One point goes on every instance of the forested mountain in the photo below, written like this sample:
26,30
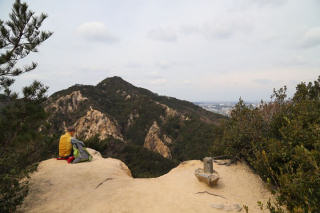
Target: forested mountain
122,120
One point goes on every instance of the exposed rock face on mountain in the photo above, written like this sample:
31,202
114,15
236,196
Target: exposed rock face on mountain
122,114
106,185
132,117
68,103
169,112
154,143
95,122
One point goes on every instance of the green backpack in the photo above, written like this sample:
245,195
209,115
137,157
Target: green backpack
76,154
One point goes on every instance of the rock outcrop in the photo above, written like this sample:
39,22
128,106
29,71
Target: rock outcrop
95,122
68,103
106,185
92,123
167,139
169,111
154,143
132,117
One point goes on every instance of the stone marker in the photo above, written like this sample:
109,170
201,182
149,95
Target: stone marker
207,174
207,165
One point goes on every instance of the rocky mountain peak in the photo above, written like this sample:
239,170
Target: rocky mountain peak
116,82
126,115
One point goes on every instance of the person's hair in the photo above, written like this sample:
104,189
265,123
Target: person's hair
71,129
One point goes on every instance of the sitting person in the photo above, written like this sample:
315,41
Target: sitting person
65,146
72,149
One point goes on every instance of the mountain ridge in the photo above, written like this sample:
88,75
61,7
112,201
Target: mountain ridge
118,114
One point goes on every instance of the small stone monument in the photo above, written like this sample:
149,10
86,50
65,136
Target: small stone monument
207,165
207,174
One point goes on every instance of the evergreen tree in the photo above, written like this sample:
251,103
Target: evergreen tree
280,140
18,38
22,139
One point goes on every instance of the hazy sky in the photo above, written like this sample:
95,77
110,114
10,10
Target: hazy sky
197,50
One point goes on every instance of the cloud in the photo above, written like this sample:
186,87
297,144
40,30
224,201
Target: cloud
190,29
311,38
245,4
186,82
223,28
133,65
292,61
164,64
159,81
155,77
263,81
218,30
163,34
273,3
93,69
96,31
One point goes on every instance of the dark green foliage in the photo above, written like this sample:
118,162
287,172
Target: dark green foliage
144,163
172,127
141,162
194,140
22,127
99,145
281,141
23,143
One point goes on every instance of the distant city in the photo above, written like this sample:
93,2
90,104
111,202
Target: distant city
223,108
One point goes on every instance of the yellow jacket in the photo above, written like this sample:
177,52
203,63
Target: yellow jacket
65,146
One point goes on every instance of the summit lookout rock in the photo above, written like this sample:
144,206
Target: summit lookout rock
106,185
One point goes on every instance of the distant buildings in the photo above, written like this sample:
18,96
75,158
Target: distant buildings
223,108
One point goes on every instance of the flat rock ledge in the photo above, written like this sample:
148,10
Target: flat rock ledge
106,185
